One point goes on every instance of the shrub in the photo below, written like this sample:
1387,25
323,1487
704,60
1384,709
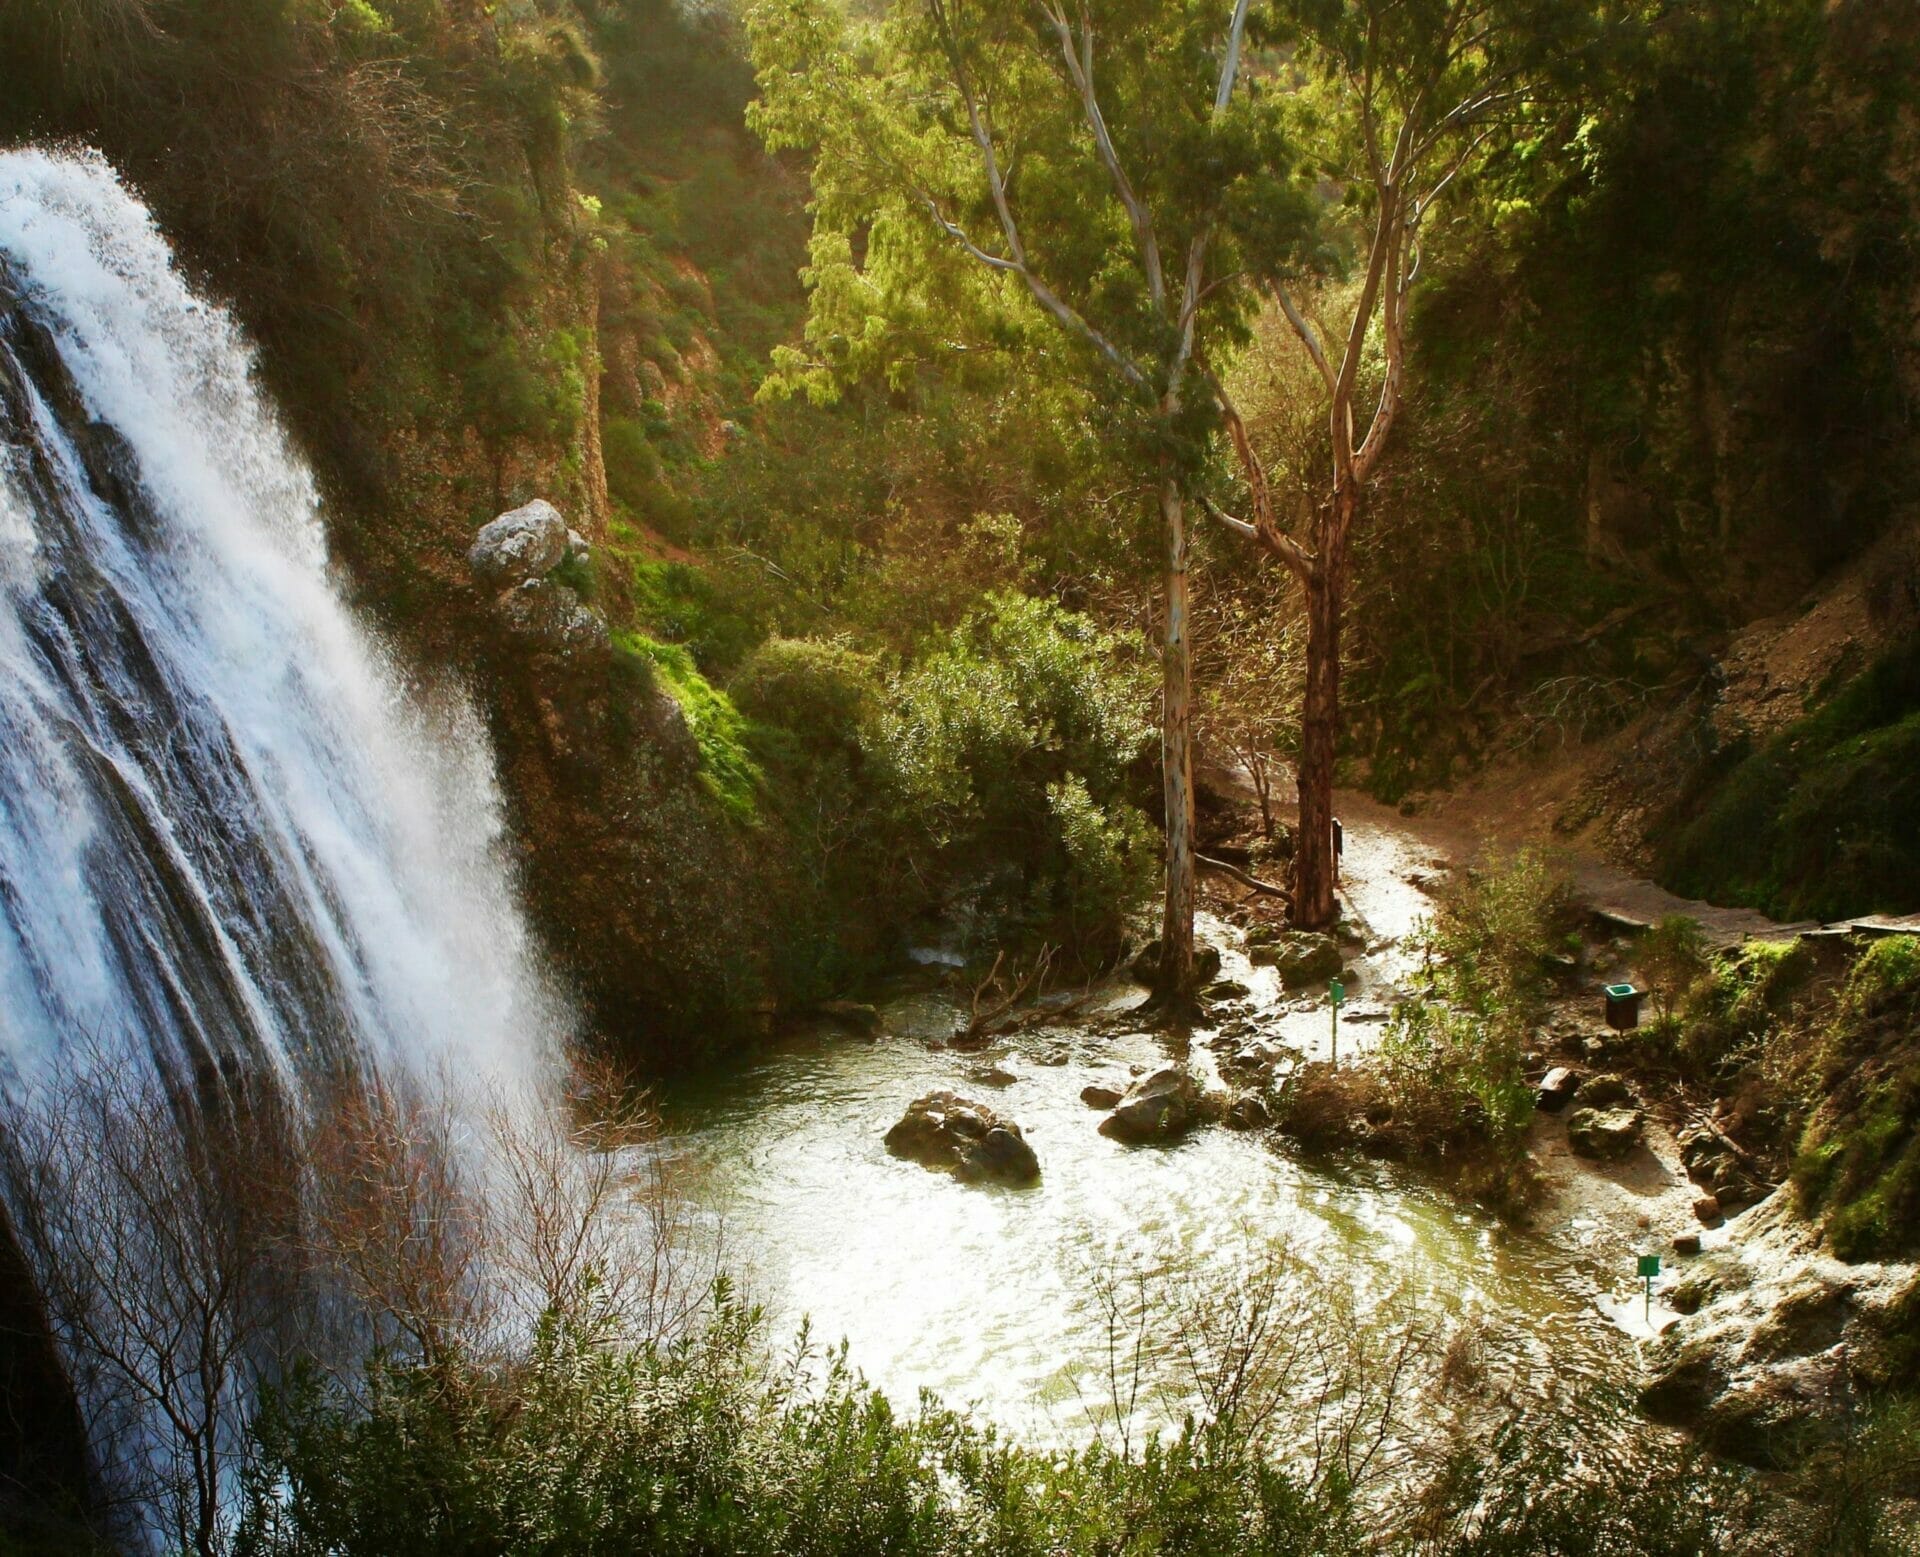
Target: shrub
1014,739
1672,957
1491,939
1110,860
824,693
1741,997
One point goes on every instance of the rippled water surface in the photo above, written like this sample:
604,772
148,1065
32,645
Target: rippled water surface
990,1296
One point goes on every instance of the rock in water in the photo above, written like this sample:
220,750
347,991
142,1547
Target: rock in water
1003,1155
1101,1094
525,543
1604,1132
854,1015
1157,1107
1300,957
946,1131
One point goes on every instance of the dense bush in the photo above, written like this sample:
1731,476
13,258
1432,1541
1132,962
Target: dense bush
1447,1083
1457,1050
1008,754
705,1447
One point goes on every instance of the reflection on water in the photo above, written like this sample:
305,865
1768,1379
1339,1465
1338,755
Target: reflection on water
991,1296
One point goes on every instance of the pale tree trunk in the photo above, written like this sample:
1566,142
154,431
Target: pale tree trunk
1175,977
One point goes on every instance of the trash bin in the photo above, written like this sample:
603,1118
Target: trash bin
1623,1007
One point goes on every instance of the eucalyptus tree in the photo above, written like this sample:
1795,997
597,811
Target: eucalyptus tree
1078,183
1402,100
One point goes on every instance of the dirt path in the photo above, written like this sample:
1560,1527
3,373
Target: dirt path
1613,1211
1616,894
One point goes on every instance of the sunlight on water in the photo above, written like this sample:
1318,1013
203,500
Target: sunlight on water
990,1296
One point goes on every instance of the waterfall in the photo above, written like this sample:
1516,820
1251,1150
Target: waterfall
231,834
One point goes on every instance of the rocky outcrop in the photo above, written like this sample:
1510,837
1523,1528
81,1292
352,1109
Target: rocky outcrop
1161,1106
946,1131
516,557
1604,1132
659,909
523,544
1779,1341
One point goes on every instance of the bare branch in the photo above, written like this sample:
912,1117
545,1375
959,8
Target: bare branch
1277,541
1234,872
1309,337
1240,527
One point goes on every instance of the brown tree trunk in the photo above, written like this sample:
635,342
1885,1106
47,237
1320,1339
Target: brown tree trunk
1314,904
1175,980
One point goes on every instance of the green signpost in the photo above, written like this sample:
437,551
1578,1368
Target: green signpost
1336,993
1649,1268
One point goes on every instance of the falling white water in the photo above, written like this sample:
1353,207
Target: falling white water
231,835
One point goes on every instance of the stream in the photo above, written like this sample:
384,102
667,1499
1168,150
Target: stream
997,1299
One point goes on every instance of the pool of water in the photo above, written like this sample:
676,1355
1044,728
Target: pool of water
1003,1299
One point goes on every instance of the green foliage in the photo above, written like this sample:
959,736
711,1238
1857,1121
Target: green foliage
1672,957
1743,996
582,1443
904,207
1490,940
1659,363
825,695
814,707
1012,742
1110,860
706,611
1455,1074
1452,1059
704,1446
727,767
1821,821
1859,1158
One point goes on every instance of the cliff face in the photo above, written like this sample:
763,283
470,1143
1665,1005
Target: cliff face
477,251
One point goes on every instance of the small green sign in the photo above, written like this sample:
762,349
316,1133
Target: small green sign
1649,1265
1338,992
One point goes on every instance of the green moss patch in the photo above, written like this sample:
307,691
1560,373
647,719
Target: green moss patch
727,768
1859,1158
